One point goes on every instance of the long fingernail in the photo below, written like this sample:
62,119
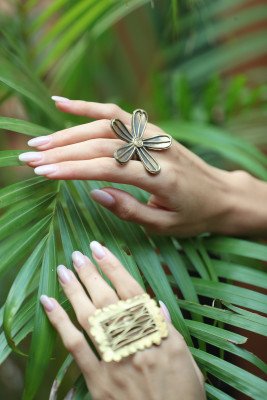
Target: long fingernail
60,99
102,197
39,141
47,302
165,311
78,258
45,169
30,156
97,249
63,274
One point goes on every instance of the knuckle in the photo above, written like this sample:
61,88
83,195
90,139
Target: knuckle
82,319
105,299
144,360
113,109
59,320
178,347
126,212
105,123
172,177
75,343
119,379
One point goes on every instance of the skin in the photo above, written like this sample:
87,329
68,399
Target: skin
188,196
167,371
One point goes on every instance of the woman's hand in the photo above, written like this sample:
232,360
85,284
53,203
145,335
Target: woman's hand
161,372
187,197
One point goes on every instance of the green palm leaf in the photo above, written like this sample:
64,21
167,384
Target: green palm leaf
43,221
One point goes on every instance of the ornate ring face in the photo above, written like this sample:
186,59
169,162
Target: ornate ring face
124,328
136,145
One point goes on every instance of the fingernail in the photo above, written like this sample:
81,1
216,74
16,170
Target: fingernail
102,197
30,156
97,249
165,311
78,258
60,99
45,169
47,302
39,141
63,274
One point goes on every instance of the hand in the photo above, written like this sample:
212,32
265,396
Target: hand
187,197
161,372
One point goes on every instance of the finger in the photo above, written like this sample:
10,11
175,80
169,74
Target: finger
125,285
128,208
88,150
72,338
93,110
99,290
79,300
106,169
76,134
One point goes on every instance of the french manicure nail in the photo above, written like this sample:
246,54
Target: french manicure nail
45,169
97,249
63,274
30,156
165,311
39,141
102,197
47,302
78,258
60,99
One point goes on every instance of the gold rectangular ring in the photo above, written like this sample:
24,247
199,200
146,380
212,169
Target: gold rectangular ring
127,326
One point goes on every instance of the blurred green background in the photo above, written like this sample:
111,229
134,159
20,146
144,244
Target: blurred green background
198,67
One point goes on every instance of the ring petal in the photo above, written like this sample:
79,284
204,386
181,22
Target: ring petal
160,142
124,153
139,122
121,131
150,164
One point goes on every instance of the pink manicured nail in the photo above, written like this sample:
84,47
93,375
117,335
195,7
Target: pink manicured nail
30,156
60,99
165,311
63,274
102,197
39,141
78,258
47,302
97,249
45,169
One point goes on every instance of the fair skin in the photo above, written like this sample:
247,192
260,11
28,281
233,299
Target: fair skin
187,197
167,371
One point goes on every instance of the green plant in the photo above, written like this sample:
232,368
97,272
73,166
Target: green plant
42,221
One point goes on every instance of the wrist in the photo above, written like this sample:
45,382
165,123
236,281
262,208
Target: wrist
243,205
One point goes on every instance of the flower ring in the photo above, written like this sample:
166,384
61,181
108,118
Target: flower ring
136,145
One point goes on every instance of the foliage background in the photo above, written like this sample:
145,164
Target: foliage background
199,69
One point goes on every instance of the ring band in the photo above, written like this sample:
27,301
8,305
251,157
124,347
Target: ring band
127,326
137,146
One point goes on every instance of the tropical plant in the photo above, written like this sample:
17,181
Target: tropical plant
45,51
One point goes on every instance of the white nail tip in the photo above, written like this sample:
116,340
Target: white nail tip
38,141
60,99
31,156
45,169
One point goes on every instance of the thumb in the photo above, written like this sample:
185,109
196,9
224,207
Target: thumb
128,208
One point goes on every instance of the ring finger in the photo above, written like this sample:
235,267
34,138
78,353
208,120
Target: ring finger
74,291
89,149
